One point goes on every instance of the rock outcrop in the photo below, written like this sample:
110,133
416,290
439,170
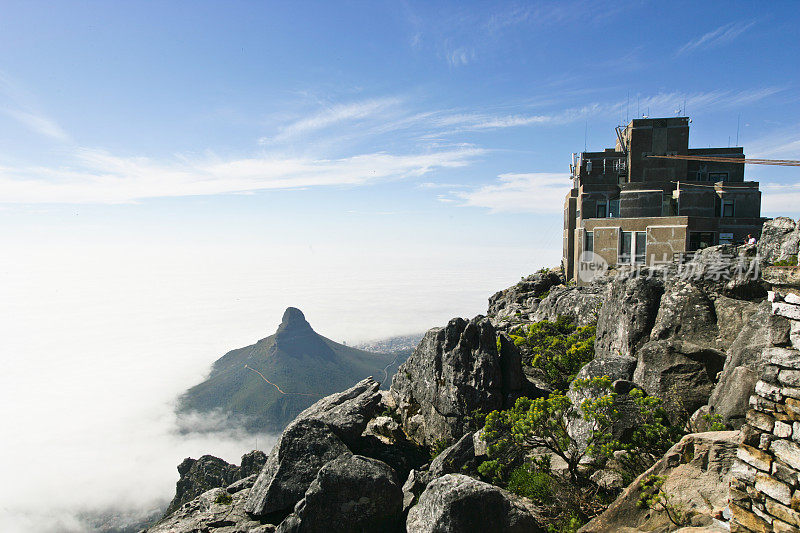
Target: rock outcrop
460,504
629,311
214,511
523,298
318,435
454,371
779,240
209,472
350,494
681,373
697,471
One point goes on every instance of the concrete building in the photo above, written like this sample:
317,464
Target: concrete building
633,209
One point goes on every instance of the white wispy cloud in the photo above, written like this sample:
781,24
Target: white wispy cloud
460,56
534,192
780,199
660,104
38,123
717,37
97,176
20,105
335,115
783,143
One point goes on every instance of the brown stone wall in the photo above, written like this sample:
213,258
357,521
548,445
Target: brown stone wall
765,487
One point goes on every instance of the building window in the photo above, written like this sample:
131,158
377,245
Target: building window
699,240
601,210
641,247
613,210
727,208
588,242
717,176
632,247
625,247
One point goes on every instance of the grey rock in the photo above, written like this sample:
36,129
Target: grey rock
242,484
385,429
779,239
348,412
459,504
745,362
608,480
454,371
454,458
413,487
681,373
251,463
726,269
303,448
685,312
214,510
199,476
523,297
618,368
629,311
732,316
350,494
580,303
697,471
318,435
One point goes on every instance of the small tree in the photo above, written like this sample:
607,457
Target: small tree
654,497
558,348
542,423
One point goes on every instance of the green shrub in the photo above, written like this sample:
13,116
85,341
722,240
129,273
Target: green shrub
439,445
223,498
528,482
792,261
559,348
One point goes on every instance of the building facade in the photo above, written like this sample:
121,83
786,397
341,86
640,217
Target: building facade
629,208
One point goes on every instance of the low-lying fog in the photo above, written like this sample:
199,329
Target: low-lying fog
97,341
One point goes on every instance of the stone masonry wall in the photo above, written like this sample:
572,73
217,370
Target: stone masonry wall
765,481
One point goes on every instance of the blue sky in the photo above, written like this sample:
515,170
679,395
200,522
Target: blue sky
174,174
411,123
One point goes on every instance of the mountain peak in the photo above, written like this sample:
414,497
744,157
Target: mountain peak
293,319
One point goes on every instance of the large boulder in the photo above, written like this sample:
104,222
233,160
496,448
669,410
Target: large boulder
460,504
350,494
200,475
454,371
732,317
348,412
318,435
303,448
581,303
779,240
629,311
523,297
617,368
215,510
681,373
685,312
745,362
697,471
725,269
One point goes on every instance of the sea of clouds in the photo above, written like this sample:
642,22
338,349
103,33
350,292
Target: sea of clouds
98,341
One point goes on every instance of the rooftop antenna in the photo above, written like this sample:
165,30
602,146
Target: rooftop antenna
628,108
738,119
586,136
637,105
684,108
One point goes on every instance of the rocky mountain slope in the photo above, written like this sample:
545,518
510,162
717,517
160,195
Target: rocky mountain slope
267,384
699,336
